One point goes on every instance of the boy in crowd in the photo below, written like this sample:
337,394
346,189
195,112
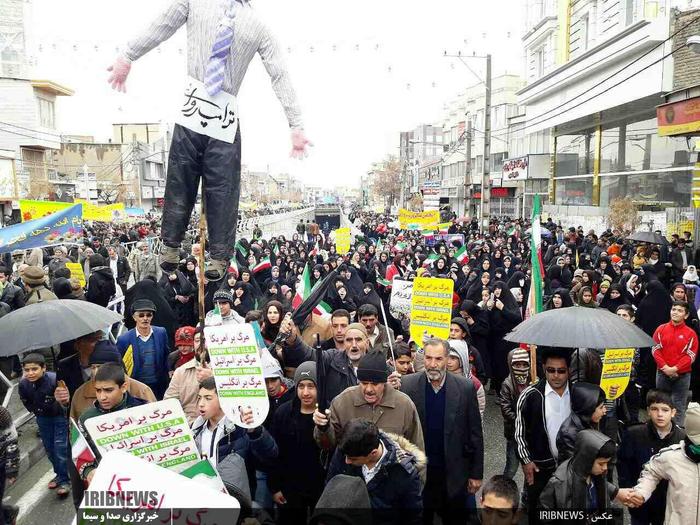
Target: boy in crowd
581,481
641,442
36,390
404,359
112,395
217,436
499,501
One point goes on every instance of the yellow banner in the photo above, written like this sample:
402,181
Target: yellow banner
418,220
342,240
431,307
617,366
36,209
77,271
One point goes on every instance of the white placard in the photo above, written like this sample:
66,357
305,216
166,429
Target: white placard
120,472
156,432
401,298
215,117
238,372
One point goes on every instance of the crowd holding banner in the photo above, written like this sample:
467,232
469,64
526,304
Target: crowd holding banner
334,378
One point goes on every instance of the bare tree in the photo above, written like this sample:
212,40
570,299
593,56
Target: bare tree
623,215
387,180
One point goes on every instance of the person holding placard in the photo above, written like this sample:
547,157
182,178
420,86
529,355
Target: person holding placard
112,395
217,436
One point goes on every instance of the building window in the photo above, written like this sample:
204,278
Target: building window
539,62
47,116
575,192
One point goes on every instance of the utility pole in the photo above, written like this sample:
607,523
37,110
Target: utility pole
485,182
468,166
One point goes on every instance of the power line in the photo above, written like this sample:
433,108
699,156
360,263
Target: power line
31,129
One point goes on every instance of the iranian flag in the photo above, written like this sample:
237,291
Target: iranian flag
205,473
462,256
534,300
276,250
264,264
400,246
444,227
430,259
304,289
233,266
383,282
314,250
80,450
241,249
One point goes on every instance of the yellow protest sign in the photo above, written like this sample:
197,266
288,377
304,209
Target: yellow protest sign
617,366
418,220
342,240
36,209
77,271
431,307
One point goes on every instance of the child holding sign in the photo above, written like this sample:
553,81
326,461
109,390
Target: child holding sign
217,436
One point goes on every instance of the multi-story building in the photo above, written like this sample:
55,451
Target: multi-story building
463,129
596,70
420,155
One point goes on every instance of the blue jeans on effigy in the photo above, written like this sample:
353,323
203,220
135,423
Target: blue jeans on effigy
679,388
54,435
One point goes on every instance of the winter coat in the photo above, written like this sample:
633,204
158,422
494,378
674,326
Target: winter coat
13,296
395,413
396,490
672,464
100,286
37,397
298,469
584,400
162,350
464,440
654,309
185,388
39,294
184,312
381,343
257,445
568,488
508,400
85,396
639,444
339,373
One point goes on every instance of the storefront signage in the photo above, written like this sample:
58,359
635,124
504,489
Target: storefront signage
679,118
515,169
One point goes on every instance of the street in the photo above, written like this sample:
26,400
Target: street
40,505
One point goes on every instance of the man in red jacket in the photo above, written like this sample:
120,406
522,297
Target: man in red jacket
674,352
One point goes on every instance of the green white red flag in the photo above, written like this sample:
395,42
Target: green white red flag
81,452
303,291
430,259
233,266
264,264
462,255
534,300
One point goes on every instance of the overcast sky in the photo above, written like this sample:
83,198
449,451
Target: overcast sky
386,74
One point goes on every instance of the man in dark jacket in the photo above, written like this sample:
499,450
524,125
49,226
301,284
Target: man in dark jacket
451,423
511,388
119,266
639,443
296,478
10,294
391,467
340,365
541,410
100,286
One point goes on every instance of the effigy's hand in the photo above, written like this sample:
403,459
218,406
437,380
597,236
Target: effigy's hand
120,70
299,143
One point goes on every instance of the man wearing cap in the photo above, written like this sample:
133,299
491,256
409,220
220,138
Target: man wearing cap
680,466
340,365
449,416
224,300
391,410
34,280
148,347
296,478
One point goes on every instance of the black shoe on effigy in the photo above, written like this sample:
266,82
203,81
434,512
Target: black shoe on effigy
216,270
169,258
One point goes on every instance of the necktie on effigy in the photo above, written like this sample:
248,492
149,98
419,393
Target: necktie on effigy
214,74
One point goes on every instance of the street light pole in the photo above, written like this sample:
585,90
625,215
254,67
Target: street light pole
485,176
468,165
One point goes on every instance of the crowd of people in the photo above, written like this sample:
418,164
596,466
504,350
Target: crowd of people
396,428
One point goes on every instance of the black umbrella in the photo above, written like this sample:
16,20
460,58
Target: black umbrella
649,237
576,327
48,323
